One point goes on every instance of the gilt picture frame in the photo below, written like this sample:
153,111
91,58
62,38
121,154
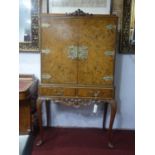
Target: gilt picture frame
127,35
66,6
32,45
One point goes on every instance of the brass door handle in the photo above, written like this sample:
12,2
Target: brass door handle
78,52
83,52
73,52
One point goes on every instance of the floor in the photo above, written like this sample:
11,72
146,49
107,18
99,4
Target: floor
23,139
77,141
26,144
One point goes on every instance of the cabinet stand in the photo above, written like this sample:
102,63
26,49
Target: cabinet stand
113,109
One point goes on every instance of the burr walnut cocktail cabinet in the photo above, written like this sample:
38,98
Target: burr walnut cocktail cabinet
77,61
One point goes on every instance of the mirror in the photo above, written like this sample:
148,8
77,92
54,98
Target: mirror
127,39
24,20
29,25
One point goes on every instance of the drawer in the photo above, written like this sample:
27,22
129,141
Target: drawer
56,91
106,93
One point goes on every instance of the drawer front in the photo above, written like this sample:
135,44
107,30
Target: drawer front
98,93
52,91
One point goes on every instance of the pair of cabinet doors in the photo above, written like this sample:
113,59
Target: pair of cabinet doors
78,50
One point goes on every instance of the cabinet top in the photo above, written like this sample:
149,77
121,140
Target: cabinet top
79,16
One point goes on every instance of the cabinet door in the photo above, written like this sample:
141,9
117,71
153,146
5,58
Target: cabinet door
59,49
96,50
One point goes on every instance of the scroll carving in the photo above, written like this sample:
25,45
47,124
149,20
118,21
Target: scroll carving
78,12
75,102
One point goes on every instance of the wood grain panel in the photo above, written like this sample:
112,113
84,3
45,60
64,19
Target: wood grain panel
24,117
56,91
96,33
105,93
57,38
99,35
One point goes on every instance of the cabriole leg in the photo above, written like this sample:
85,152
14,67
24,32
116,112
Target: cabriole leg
48,112
105,114
39,111
113,107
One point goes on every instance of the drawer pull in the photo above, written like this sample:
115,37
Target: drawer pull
59,92
96,94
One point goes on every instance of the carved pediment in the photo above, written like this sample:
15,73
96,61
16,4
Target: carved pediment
78,12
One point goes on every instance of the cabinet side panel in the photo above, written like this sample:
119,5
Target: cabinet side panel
24,117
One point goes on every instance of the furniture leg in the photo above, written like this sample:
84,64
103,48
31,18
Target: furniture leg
48,112
113,107
105,114
39,110
31,118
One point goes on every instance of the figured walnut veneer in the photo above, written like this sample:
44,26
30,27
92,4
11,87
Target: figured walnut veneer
80,92
90,32
77,62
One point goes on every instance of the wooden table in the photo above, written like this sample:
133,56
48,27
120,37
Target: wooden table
27,101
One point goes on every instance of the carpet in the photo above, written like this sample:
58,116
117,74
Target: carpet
75,141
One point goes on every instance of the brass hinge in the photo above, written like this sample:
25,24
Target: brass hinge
110,26
109,53
46,51
108,78
46,76
45,25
